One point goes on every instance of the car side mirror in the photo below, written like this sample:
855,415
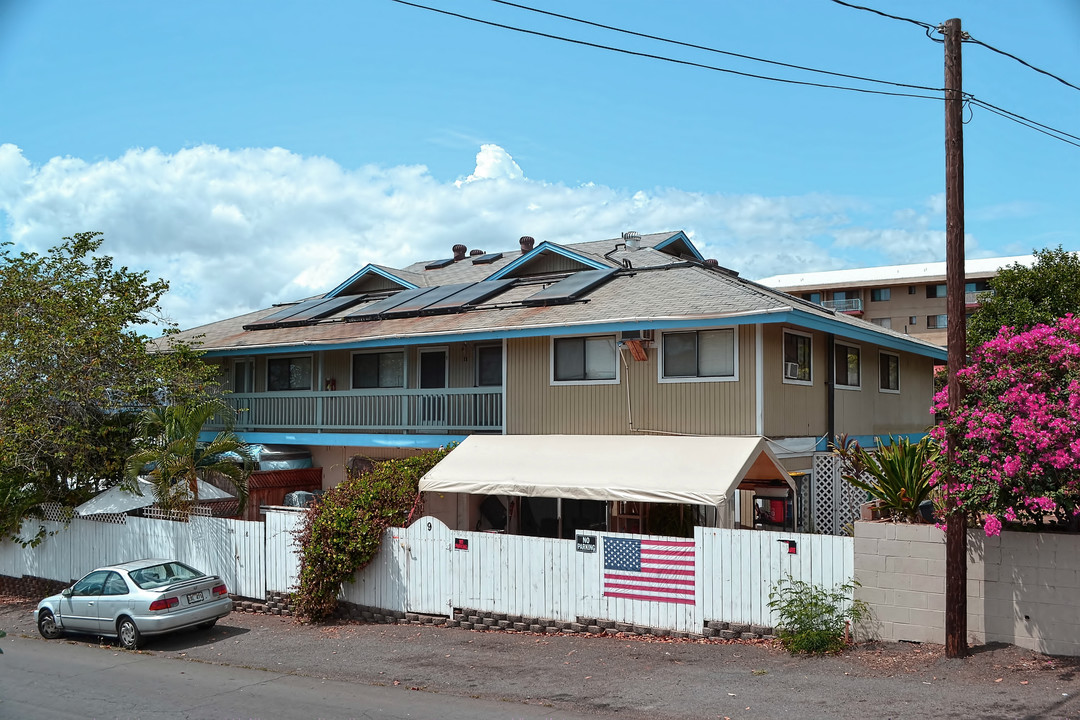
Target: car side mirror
66,592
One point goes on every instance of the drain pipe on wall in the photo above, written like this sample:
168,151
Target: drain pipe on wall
626,379
830,382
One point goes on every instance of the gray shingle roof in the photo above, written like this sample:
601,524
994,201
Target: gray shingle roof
658,288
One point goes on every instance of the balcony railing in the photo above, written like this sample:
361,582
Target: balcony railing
977,298
446,409
850,305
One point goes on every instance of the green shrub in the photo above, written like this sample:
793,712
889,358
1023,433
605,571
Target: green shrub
897,474
342,532
812,619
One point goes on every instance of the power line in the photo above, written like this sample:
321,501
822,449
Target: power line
711,49
967,38
1026,122
664,58
1022,62
923,25
1009,115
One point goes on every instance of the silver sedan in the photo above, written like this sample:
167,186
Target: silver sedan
128,601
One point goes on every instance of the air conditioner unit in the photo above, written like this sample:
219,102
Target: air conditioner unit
791,370
636,335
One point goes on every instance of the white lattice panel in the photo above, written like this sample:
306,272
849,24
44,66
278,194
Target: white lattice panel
834,501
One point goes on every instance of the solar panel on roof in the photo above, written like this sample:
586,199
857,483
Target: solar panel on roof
274,320
436,264
485,259
414,306
373,311
570,288
324,309
470,295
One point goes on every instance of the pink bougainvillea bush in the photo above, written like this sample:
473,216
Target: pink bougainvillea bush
1017,454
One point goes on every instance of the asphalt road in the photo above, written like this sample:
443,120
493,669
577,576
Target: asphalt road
255,666
65,680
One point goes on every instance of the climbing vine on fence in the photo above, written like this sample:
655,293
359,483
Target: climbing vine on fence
342,532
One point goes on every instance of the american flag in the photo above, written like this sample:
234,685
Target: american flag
657,570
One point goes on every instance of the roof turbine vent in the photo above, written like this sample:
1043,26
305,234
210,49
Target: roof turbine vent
474,253
526,243
711,263
632,240
459,252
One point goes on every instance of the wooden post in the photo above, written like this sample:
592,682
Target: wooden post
956,530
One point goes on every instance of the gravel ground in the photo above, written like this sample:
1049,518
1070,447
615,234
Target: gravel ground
634,677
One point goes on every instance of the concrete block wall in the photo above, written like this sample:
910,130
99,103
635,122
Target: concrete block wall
1023,588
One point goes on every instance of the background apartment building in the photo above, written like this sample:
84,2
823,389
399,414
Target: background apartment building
904,298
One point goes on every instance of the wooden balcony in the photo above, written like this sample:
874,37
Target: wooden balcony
396,410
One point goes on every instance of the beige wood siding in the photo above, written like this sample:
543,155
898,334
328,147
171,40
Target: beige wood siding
535,406
793,410
550,262
868,411
796,410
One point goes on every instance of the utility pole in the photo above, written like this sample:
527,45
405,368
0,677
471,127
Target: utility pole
956,522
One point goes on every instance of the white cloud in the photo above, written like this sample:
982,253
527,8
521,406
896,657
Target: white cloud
236,230
492,162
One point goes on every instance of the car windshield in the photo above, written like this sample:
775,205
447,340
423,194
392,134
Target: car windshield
163,574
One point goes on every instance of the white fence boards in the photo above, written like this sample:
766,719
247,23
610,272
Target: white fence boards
428,568
233,549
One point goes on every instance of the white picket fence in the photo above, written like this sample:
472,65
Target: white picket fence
428,568
418,569
233,549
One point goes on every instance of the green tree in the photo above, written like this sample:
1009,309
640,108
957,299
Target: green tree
75,370
169,446
1023,297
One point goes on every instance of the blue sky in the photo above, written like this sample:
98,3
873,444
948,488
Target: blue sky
257,152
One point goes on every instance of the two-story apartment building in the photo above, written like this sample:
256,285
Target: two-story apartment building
906,298
633,339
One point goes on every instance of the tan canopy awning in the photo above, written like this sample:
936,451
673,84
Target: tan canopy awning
636,468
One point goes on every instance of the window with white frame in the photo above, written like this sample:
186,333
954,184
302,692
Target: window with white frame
798,352
584,359
288,373
937,321
705,354
848,361
378,370
889,372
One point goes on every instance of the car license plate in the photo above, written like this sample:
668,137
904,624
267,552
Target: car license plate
195,598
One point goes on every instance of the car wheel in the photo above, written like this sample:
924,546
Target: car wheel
208,624
46,625
127,633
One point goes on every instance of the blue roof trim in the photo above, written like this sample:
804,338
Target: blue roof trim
676,238
420,442
542,247
364,271
853,332
792,317
871,441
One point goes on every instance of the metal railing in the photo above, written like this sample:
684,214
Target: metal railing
462,409
849,305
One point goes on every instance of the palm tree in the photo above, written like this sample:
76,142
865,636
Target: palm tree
168,441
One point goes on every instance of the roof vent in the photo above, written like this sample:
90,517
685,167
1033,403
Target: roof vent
632,240
712,263
526,243
459,252
474,253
